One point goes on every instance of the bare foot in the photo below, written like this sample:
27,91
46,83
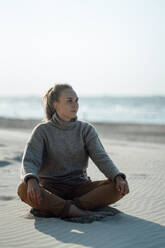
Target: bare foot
77,212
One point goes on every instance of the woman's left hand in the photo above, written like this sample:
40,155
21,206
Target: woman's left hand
122,185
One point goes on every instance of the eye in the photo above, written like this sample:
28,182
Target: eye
72,101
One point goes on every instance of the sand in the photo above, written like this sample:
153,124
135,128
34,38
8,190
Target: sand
137,150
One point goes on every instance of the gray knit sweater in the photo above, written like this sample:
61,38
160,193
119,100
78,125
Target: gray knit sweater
58,151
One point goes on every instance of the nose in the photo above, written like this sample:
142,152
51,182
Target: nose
75,105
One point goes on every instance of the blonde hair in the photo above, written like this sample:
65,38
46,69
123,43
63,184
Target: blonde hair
51,96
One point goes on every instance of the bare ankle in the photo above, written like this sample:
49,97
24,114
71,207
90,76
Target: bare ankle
77,212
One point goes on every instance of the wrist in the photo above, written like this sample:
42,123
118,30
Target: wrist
120,176
32,180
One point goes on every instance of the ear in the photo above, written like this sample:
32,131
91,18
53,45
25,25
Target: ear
55,105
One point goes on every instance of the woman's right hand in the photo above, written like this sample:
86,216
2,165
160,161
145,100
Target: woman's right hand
34,192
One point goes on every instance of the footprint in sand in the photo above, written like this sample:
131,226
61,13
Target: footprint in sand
139,176
4,163
6,198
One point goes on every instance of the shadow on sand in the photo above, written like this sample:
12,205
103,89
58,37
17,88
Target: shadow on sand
121,230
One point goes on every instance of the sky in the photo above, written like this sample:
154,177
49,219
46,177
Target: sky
100,47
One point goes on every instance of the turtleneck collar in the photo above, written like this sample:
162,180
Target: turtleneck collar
56,121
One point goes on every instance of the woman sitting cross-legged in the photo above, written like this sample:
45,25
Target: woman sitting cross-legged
55,159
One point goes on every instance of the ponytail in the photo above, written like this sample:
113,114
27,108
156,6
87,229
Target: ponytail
51,96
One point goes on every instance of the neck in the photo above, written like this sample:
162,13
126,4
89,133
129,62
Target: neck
63,118
63,124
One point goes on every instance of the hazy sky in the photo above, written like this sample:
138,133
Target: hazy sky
113,47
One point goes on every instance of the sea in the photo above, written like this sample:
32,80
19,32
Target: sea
116,109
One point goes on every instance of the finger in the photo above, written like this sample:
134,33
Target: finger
126,189
30,198
33,197
122,189
37,201
38,196
117,185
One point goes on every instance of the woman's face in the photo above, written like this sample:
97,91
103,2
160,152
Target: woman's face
67,105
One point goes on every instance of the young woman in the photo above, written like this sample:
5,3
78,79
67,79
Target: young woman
53,170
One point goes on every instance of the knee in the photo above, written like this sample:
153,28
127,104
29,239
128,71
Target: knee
118,195
112,188
22,191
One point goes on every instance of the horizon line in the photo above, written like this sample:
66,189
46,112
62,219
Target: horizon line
88,95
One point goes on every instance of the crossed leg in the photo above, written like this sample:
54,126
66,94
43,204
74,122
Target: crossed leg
86,197
96,194
50,202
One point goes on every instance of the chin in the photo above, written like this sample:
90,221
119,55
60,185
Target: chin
74,115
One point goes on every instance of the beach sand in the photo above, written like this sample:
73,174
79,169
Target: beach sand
137,150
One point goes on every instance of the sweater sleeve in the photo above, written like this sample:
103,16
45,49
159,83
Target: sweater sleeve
99,156
33,155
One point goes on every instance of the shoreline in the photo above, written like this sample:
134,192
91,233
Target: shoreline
152,133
